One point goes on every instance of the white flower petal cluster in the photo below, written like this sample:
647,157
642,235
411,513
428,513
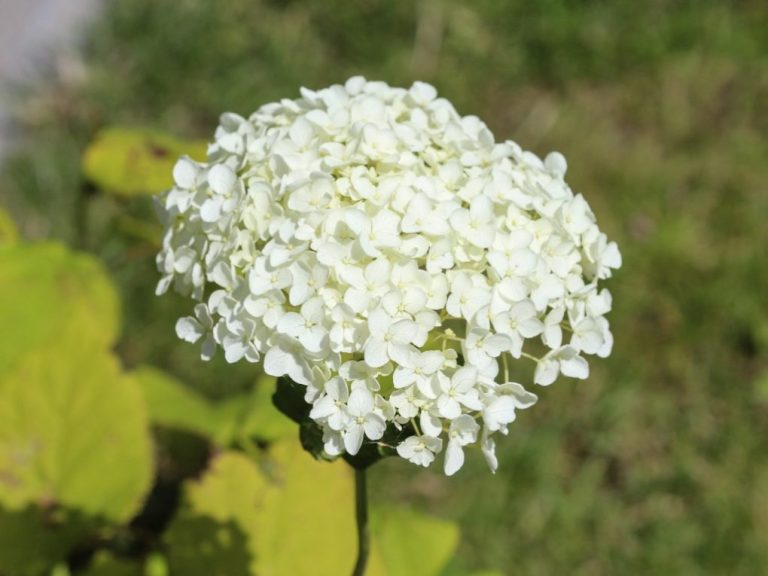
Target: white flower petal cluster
373,245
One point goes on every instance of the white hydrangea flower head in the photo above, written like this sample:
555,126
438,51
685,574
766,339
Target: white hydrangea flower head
373,245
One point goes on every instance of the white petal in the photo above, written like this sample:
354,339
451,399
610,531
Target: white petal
496,344
404,331
314,339
374,426
546,371
222,179
555,163
337,389
464,378
208,348
189,329
292,324
433,444
378,322
576,367
338,420
431,361
454,458
185,173
301,132
323,408
499,413
407,447
488,447
279,362
333,443
400,353
430,424
234,351
376,353
403,377
210,211
360,402
353,438
523,398
464,429
223,275
448,407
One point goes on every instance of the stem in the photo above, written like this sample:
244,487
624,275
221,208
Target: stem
361,514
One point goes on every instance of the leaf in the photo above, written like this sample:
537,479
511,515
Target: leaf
298,519
8,233
290,514
313,502
211,534
104,564
412,543
73,437
49,294
68,415
289,399
261,419
174,405
75,450
133,161
33,538
251,415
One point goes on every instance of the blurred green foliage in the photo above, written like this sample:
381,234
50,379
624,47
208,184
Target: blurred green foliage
659,462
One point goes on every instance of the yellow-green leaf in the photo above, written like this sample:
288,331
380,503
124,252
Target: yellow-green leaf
104,564
29,549
131,161
49,294
412,543
73,439
174,405
260,417
8,234
249,415
306,522
290,514
213,532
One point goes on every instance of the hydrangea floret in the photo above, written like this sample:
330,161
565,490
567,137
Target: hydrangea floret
386,253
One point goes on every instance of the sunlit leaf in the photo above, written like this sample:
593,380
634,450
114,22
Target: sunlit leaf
49,294
247,415
214,531
104,564
75,451
412,543
73,440
261,419
314,503
132,161
174,405
290,514
8,234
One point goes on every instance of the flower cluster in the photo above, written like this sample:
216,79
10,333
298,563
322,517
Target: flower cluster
373,245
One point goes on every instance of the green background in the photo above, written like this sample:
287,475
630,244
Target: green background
658,464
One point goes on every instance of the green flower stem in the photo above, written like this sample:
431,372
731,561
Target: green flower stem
361,513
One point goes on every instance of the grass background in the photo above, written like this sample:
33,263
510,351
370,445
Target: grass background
658,464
